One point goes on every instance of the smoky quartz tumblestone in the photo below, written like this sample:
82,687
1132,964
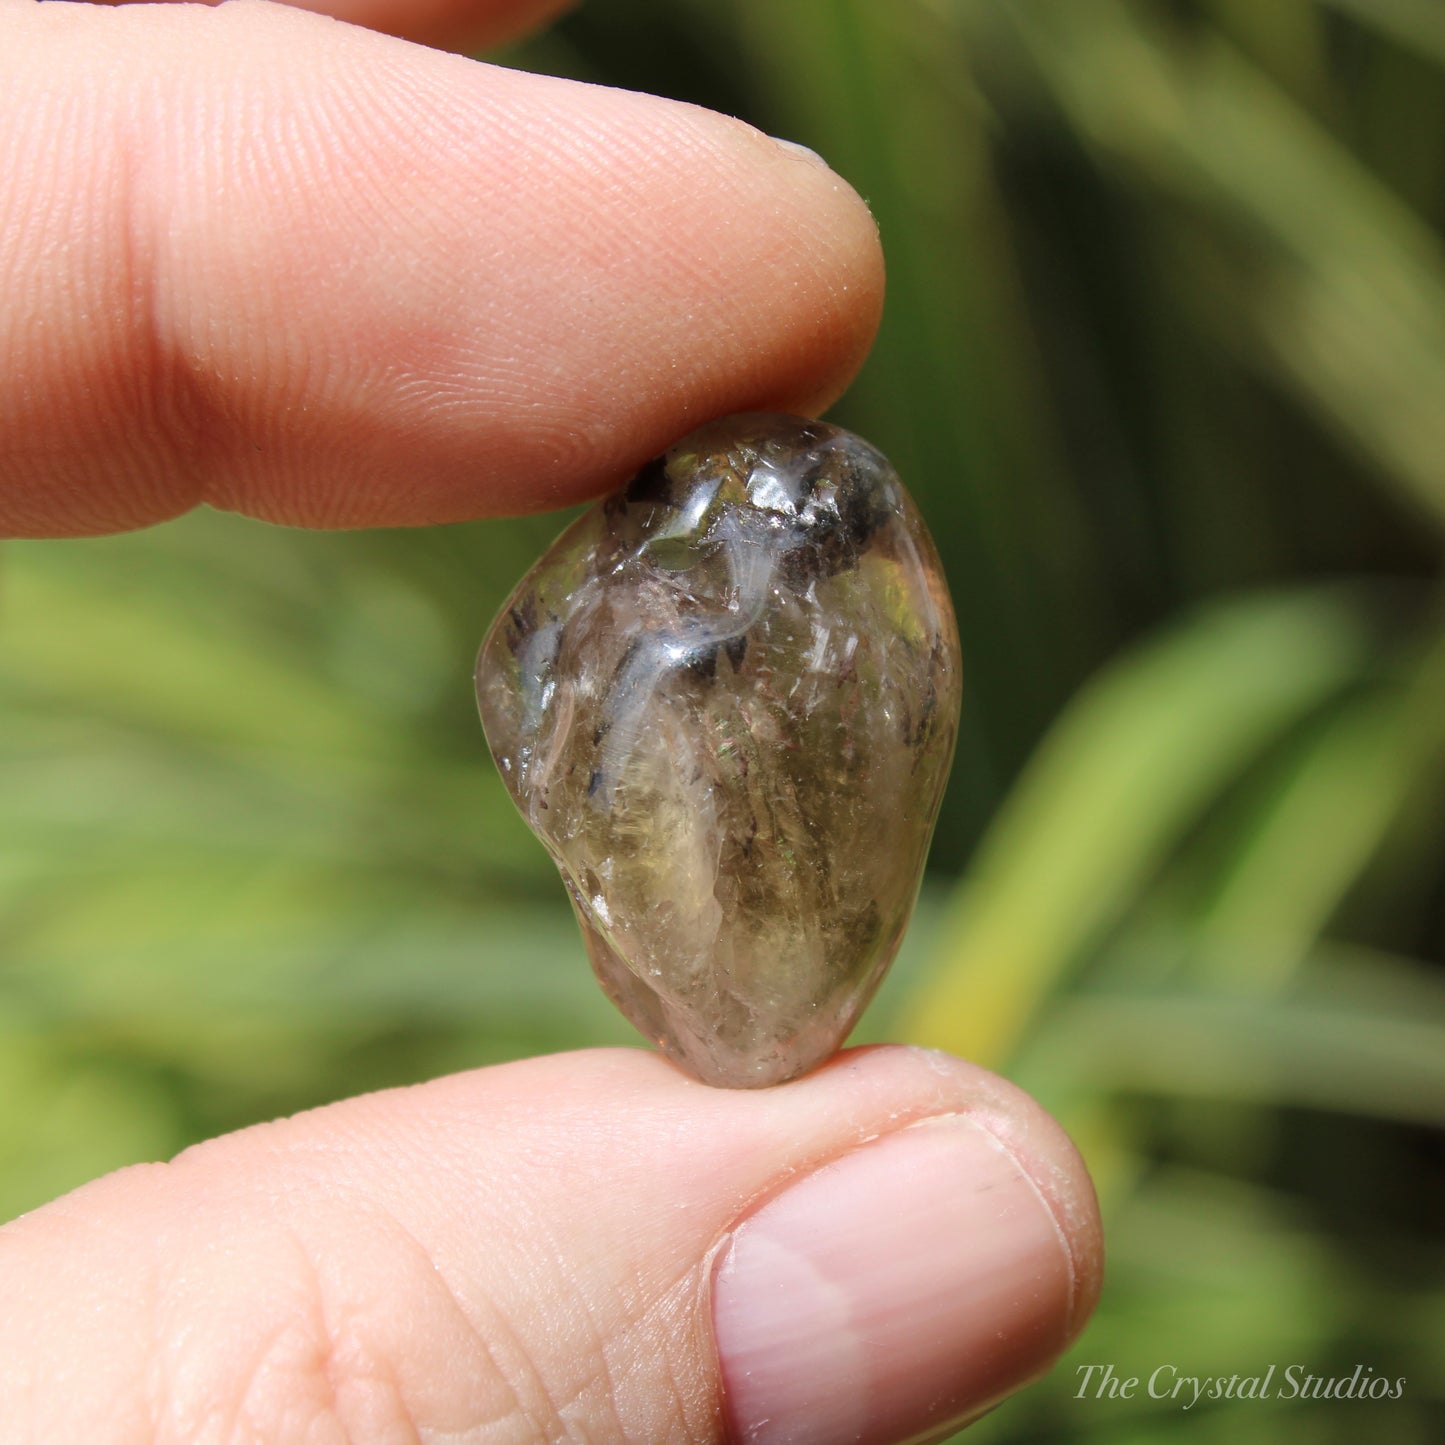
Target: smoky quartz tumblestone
726,701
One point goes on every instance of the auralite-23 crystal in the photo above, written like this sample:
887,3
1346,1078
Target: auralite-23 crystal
726,701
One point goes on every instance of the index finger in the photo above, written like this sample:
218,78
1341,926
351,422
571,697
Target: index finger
258,258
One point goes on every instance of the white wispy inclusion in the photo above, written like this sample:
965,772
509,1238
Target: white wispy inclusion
726,701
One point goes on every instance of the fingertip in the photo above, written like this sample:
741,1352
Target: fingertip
1041,1149
590,1242
908,1284
323,277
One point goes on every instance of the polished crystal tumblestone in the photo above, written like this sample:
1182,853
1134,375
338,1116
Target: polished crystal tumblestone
726,701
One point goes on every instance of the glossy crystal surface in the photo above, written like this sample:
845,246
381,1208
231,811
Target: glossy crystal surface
726,701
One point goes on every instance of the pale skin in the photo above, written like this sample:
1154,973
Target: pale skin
323,275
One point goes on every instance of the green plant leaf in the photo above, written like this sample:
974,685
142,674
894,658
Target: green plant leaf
1131,764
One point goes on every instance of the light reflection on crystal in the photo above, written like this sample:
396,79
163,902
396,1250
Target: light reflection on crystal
726,701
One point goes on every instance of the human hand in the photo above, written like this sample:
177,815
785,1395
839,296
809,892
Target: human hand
322,276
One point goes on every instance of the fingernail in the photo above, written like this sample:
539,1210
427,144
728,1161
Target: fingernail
901,1288
799,149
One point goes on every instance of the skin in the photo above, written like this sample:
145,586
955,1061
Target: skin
320,275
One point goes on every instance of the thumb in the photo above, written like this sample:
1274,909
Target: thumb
588,1246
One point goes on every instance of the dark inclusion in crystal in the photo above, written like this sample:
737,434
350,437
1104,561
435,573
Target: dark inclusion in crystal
726,701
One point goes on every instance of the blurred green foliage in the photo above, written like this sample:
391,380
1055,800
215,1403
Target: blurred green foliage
1164,362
